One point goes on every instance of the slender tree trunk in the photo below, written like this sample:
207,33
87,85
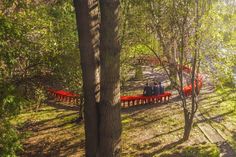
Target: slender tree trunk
109,107
173,73
138,72
87,18
174,60
172,66
188,117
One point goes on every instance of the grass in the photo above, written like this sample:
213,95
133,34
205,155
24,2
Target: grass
206,150
155,130
50,132
219,107
149,130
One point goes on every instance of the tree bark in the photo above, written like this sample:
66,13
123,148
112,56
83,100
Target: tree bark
188,117
109,107
87,18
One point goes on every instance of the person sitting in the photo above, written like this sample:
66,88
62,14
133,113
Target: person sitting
161,88
156,89
147,91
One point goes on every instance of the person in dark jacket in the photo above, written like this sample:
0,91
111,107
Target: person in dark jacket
161,88
155,89
147,91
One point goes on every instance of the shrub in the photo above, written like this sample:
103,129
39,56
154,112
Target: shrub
9,140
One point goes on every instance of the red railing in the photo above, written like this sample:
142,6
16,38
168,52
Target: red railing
127,101
62,95
197,82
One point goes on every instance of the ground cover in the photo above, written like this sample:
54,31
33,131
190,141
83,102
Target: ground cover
218,105
148,130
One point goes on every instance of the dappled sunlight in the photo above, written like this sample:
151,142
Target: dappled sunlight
147,131
110,78
54,135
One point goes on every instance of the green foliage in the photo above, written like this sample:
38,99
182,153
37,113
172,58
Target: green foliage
38,45
37,50
10,102
219,47
228,96
9,140
216,33
134,35
209,150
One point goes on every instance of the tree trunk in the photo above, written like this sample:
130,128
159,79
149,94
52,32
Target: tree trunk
174,60
109,107
173,74
138,72
172,57
188,118
88,24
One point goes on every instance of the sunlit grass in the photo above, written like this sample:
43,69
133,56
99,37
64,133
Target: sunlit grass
146,130
206,150
220,109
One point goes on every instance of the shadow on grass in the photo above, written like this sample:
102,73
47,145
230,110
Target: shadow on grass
215,118
226,150
144,122
166,133
133,110
166,147
234,140
29,125
47,148
54,139
234,135
224,94
62,125
140,147
62,106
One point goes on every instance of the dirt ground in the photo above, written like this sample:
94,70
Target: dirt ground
148,130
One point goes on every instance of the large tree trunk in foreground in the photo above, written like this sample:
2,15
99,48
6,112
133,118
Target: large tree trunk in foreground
87,25
109,107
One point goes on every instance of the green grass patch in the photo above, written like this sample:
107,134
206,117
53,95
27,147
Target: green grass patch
220,109
127,120
208,150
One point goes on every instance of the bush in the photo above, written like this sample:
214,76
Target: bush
9,140
10,105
